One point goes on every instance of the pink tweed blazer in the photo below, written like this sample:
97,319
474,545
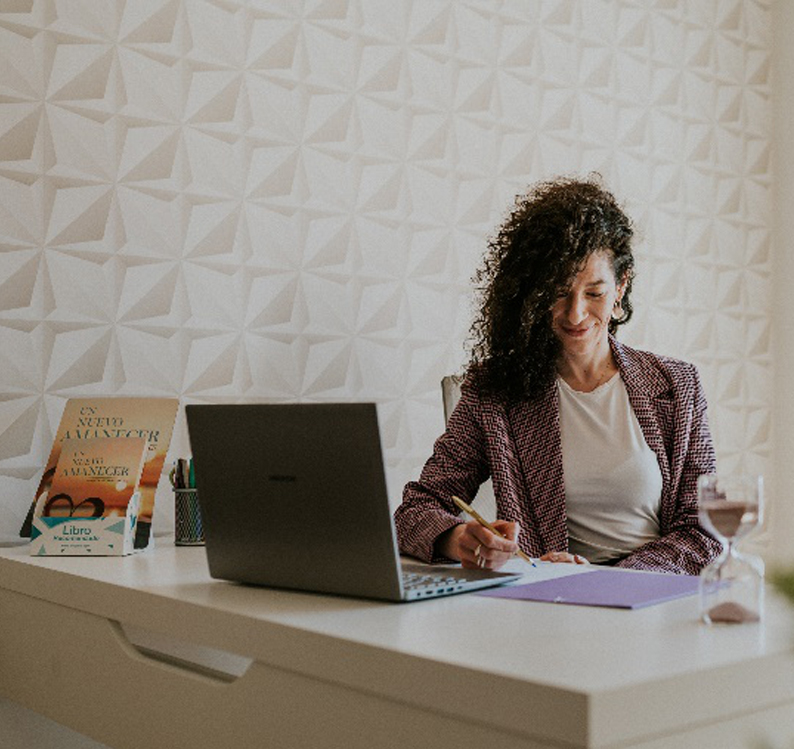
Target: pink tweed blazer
518,445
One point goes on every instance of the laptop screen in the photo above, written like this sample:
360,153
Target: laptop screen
294,496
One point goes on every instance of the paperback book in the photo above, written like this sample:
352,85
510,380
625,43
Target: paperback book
129,418
93,502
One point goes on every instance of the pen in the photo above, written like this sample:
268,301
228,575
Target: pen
469,510
174,477
179,474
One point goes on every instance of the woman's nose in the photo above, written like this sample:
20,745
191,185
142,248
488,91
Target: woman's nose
576,309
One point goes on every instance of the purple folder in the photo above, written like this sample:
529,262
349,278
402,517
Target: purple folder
614,588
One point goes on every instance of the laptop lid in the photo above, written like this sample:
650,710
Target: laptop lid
294,496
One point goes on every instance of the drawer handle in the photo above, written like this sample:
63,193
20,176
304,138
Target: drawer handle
218,666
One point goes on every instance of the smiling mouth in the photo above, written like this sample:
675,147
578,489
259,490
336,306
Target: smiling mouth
575,332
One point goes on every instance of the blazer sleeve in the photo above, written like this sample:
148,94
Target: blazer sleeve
458,466
684,547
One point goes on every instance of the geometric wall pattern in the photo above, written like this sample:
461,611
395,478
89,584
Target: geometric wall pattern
281,200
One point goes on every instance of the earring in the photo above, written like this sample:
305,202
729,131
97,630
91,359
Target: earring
617,310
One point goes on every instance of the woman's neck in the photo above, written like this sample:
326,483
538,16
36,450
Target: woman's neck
586,372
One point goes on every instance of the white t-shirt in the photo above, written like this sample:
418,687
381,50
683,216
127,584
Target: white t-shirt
613,484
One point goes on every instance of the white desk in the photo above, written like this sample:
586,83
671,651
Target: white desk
463,672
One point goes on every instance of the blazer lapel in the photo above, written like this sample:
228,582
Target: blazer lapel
535,430
652,401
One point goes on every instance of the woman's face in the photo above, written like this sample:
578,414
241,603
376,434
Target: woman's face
580,316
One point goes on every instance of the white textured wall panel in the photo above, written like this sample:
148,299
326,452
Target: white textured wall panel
286,200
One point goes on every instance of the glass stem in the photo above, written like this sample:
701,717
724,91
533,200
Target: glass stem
728,556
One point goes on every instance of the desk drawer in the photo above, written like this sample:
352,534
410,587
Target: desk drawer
82,671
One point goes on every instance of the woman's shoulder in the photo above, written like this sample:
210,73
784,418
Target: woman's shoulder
472,383
644,364
476,390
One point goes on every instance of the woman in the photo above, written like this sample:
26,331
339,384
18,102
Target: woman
594,448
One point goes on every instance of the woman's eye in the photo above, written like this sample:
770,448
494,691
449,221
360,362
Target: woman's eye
596,294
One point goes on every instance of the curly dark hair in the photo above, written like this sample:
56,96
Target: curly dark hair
545,241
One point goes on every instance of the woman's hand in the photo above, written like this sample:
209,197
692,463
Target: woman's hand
476,547
563,557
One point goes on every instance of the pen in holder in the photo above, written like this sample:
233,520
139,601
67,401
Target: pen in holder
188,528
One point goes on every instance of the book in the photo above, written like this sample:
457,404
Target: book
88,418
93,502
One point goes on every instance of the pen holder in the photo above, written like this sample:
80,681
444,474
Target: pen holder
188,529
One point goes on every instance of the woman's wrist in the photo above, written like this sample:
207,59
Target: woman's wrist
446,543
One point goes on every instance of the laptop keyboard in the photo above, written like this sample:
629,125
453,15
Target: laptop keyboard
423,581
414,581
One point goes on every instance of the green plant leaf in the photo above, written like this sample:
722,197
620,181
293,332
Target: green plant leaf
783,580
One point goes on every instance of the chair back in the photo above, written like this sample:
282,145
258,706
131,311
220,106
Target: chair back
450,393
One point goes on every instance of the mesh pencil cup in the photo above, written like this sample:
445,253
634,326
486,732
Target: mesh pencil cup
188,529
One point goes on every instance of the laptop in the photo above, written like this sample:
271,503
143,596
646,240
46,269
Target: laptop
294,496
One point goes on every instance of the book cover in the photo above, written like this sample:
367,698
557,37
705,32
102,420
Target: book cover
90,418
95,477
93,502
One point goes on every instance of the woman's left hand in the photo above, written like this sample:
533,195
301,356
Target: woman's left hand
563,557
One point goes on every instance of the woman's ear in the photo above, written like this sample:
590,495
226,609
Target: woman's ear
621,290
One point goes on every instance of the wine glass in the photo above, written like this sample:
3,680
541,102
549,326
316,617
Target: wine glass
730,508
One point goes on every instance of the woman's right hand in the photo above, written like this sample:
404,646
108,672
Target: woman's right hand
476,547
